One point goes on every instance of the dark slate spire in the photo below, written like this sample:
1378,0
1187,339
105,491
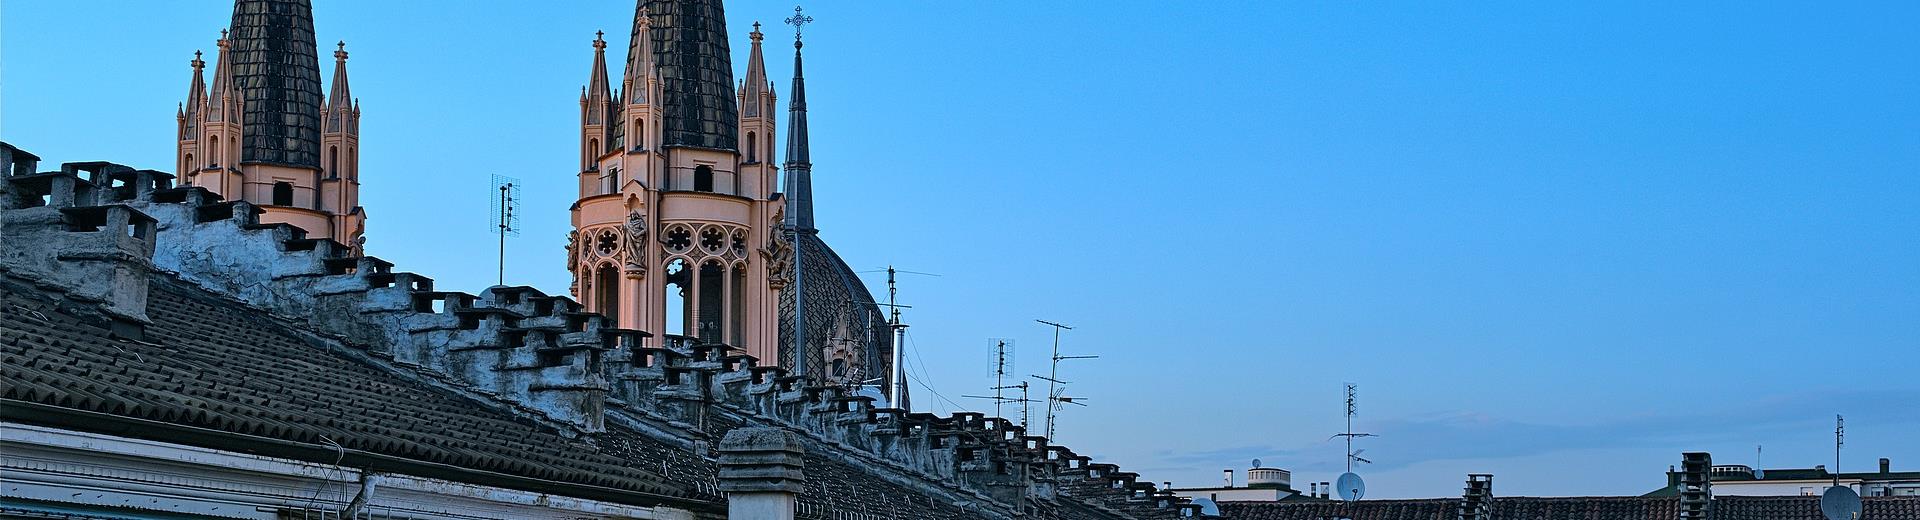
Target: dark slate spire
278,76
799,165
696,72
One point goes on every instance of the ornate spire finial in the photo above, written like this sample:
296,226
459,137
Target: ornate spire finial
755,35
644,18
340,53
599,39
799,20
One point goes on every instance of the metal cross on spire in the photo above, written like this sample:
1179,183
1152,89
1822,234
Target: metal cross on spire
799,20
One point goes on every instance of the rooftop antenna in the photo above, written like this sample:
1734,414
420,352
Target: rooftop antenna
1759,467
1838,502
506,218
1839,439
898,373
1053,375
1351,487
998,399
1003,347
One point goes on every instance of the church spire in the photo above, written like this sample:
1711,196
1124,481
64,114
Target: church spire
799,165
597,88
640,59
339,97
196,100
756,83
598,104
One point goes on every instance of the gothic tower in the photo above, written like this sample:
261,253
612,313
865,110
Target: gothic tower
265,134
673,218
680,229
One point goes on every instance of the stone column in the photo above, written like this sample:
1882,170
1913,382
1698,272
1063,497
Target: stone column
760,473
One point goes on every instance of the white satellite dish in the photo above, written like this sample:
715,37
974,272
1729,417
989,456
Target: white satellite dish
1840,503
1350,487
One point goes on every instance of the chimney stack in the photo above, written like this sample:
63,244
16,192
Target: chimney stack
1477,504
1313,489
1696,486
1886,465
1229,477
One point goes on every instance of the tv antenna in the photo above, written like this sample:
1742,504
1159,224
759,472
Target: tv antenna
1003,362
506,216
1839,502
1350,486
1053,375
999,399
1759,467
898,373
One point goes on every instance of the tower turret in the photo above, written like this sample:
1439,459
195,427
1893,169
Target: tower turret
757,120
190,113
596,111
258,135
340,142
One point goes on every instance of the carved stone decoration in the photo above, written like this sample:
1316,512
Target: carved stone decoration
573,260
779,256
636,231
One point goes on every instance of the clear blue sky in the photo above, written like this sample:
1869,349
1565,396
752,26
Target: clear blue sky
1558,243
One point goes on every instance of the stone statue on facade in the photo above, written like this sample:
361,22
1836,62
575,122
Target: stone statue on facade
636,243
573,260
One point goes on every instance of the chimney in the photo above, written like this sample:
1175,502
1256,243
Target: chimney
1313,489
1819,467
97,253
1477,504
1696,486
1326,490
1886,465
1229,477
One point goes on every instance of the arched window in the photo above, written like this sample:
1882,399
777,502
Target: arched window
703,178
639,134
678,279
712,301
353,165
753,148
283,194
593,151
191,167
333,162
606,282
213,150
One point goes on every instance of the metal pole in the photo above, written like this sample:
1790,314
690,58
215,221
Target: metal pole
899,346
506,212
899,372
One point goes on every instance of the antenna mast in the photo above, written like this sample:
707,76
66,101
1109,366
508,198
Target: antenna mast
898,373
1054,399
1352,409
506,220
1839,439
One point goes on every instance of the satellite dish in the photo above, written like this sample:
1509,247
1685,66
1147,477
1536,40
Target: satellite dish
1840,503
1351,488
1759,474
1207,506
1256,463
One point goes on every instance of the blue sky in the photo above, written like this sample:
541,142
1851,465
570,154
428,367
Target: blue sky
1557,243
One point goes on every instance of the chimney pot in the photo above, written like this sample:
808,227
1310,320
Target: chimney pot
1229,477
1886,465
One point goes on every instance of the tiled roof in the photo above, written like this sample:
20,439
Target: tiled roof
1581,508
211,364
